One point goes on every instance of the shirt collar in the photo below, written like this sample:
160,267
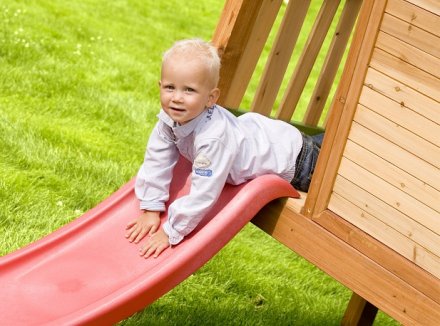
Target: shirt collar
165,118
181,131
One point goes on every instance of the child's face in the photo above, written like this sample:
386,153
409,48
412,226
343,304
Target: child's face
186,89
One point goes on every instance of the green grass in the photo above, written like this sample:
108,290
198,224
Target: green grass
78,99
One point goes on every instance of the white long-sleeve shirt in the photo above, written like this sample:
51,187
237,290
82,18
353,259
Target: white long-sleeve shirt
223,149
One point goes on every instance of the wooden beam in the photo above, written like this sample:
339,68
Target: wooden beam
232,35
410,273
349,266
251,53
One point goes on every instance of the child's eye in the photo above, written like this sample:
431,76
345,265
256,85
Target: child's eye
169,87
190,90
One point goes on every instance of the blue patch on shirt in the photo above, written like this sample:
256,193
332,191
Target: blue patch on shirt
203,172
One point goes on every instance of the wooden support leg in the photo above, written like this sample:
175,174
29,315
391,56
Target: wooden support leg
359,312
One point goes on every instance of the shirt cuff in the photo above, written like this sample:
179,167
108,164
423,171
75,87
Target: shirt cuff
149,206
174,237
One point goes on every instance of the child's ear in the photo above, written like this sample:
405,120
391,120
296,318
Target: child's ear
159,83
213,97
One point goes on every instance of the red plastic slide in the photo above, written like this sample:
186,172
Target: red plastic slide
88,273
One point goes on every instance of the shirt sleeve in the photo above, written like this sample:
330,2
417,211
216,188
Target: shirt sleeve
154,176
209,174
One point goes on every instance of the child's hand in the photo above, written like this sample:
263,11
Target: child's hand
147,223
157,243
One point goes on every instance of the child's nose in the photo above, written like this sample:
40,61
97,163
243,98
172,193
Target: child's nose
177,96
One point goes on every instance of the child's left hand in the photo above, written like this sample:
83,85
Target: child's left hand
155,244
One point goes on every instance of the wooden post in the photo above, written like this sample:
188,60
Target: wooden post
307,60
332,62
232,37
359,312
279,57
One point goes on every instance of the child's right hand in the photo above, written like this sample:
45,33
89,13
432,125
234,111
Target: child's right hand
146,224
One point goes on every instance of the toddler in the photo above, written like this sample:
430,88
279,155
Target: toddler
222,148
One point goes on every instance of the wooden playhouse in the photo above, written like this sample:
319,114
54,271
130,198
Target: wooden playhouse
371,219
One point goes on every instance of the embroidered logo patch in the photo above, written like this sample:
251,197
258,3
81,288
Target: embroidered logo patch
202,161
203,172
210,112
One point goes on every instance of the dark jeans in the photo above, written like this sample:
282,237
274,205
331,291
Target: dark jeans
306,161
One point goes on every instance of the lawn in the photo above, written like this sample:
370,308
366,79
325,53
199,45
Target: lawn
78,99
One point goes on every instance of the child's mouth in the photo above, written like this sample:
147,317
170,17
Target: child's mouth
177,109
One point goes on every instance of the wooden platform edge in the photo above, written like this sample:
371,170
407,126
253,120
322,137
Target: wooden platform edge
360,273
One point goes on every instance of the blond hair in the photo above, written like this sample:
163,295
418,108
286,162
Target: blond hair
200,50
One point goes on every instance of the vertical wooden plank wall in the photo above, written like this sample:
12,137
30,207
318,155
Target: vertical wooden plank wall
388,183
387,186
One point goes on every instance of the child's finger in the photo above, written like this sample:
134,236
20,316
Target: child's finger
129,231
147,251
153,229
130,225
159,250
132,234
141,234
143,250
136,233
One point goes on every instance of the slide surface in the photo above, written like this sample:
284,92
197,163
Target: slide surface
88,273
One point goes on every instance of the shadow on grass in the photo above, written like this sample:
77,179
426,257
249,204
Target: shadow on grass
216,313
